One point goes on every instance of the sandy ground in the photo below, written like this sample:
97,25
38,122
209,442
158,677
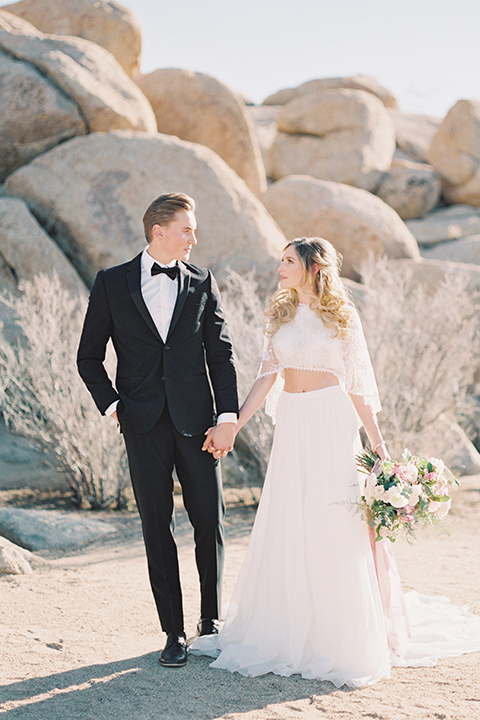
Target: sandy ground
80,639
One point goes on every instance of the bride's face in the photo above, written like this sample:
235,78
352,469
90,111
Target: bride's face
290,270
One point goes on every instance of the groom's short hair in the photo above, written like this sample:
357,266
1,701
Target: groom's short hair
162,210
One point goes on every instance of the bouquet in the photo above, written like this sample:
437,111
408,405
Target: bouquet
400,496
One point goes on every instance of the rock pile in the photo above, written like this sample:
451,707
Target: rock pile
103,22
68,86
86,142
350,131
90,193
343,136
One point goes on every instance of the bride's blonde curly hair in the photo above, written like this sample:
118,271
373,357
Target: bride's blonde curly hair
328,297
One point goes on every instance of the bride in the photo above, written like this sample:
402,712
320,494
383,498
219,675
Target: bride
315,594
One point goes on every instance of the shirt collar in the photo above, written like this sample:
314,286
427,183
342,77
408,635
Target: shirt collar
148,261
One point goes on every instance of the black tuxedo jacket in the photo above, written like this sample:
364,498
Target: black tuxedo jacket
195,359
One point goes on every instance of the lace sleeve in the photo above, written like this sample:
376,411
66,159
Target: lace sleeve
269,364
359,375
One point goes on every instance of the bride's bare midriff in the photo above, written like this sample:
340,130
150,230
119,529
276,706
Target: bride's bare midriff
298,381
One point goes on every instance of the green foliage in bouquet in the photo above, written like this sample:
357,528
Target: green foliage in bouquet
399,497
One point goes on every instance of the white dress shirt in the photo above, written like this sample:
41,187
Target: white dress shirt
160,295
159,292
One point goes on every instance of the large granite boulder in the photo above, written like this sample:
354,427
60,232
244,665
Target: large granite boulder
28,250
34,114
447,223
430,273
455,152
466,250
104,22
342,136
8,324
411,189
264,119
45,529
199,108
356,82
15,560
414,132
23,463
357,223
461,456
91,193
85,73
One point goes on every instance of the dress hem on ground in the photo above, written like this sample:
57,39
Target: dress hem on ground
311,597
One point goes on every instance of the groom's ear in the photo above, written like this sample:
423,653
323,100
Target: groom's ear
156,232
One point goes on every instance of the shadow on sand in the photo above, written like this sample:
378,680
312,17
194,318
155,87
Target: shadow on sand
139,689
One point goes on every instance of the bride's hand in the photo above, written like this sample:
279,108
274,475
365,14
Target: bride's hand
383,453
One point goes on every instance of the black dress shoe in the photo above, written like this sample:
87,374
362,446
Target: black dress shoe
208,626
174,653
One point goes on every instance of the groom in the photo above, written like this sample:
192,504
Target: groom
175,372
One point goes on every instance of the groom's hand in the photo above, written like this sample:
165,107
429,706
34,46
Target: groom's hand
220,439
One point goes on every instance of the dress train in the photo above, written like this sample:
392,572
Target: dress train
313,596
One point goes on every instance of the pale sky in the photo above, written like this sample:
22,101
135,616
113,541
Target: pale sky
427,52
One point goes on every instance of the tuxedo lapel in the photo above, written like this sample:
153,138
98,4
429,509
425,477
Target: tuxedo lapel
134,285
183,286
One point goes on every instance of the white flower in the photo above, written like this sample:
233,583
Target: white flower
439,465
368,495
369,488
433,506
370,480
443,509
415,492
411,472
396,498
378,492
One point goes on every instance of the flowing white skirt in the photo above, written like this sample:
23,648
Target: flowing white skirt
307,599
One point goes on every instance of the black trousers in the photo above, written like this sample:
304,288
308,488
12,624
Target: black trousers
152,457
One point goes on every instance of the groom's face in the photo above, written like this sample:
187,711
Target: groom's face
176,239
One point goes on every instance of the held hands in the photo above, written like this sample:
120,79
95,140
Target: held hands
219,439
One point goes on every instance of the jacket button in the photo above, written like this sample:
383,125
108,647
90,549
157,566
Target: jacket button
163,377
167,347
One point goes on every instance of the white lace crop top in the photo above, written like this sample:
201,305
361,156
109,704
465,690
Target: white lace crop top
306,344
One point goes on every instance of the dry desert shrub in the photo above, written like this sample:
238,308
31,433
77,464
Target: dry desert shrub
42,396
244,312
425,350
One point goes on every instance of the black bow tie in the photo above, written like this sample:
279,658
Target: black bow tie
172,272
